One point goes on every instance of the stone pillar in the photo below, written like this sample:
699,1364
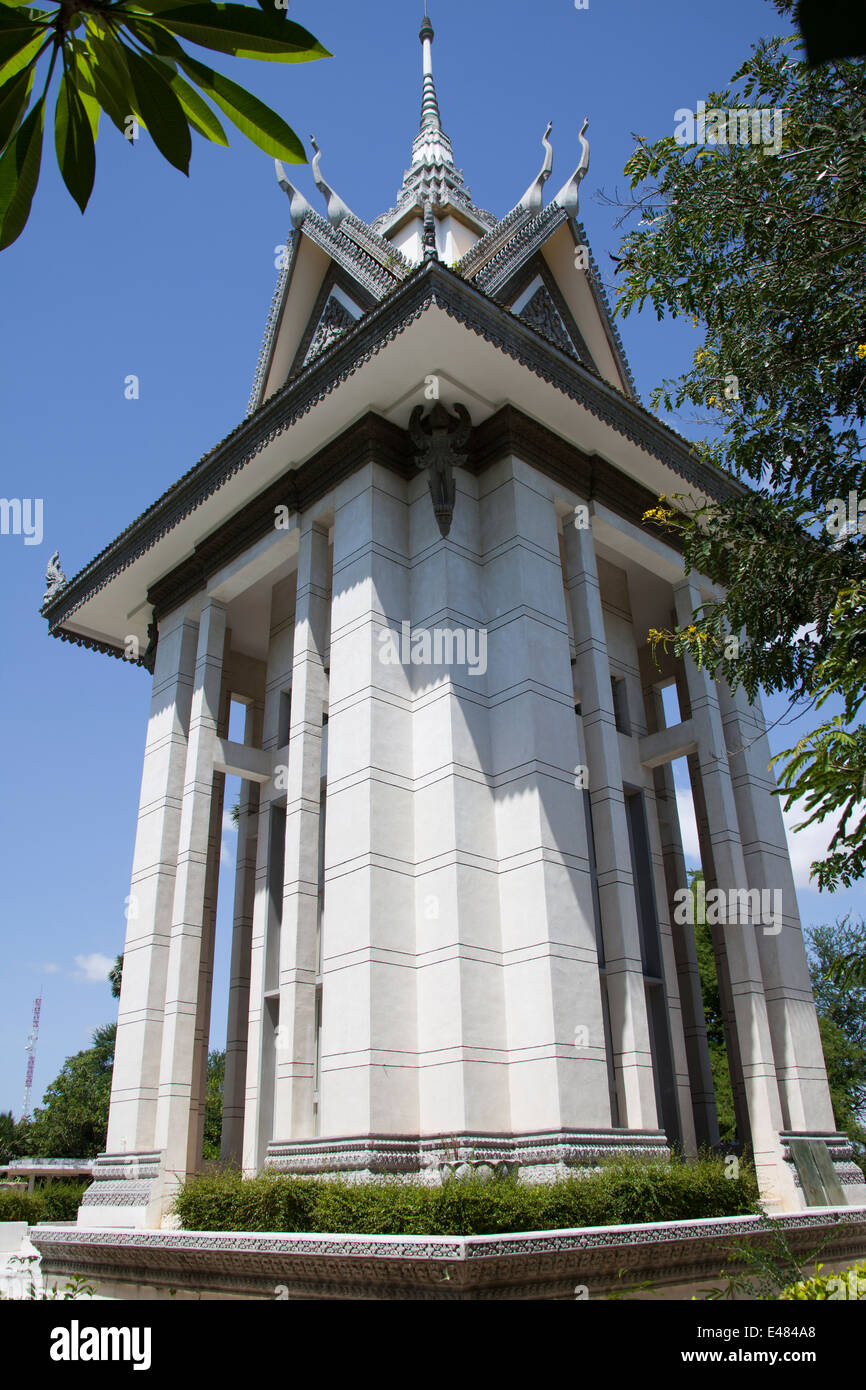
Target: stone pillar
558,1076
125,1187
677,1014
263,1020
175,1132
198,1098
298,951
742,963
138,1047
800,1069
368,1081
231,1144
688,976
463,1086
625,984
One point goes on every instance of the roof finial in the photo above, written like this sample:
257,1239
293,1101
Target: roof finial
337,209
298,205
533,198
430,117
567,197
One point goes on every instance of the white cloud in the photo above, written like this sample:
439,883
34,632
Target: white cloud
93,967
805,846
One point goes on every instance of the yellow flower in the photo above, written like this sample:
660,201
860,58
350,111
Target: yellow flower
861,351
714,400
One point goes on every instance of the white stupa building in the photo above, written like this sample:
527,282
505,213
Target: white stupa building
420,565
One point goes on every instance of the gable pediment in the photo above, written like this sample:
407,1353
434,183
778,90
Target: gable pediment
537,305
339,313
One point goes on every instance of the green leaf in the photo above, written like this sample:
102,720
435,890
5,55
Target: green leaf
197,111
159,40
244,32
258,122
108,65
95,81
73,141
13,103
14,55
19,175
160,111
10,19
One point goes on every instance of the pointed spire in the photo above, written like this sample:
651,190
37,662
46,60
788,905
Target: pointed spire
430,117
432,177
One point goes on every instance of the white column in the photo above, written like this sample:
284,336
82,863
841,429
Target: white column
558,1076
688,974
262,1037
198,1099
135,1081
676,1014
625,985
231,1145
174,1130
800,1068
298,952
368,1078
741,946
462,1077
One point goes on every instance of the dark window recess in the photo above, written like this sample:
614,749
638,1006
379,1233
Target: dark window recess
276,869
599,945
608,1052
641,869
663,1067
620,705
593,878
578,711
650,947
285,718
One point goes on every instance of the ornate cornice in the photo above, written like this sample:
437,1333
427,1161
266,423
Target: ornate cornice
482,253
431,285
370,439
526,241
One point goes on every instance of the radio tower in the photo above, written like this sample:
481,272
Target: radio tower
30,1048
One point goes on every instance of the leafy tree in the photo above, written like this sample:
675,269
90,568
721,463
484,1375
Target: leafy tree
73,1120
124,58
764,249
115,977
213,1114
842,1020
11,1135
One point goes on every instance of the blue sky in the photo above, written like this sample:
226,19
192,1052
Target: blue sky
170,279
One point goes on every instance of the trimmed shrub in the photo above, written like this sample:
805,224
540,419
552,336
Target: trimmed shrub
56,1201
847,1284
21,1206
624,1191
61,1200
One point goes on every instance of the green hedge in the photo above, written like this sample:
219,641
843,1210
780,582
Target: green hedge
56,1201
623,1192
847,1284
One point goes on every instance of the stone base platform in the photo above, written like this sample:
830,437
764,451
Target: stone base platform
677,1258
532,1157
